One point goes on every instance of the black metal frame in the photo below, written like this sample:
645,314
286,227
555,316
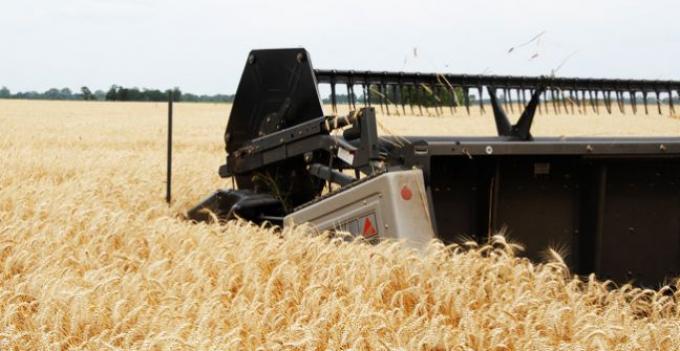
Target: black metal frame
580,91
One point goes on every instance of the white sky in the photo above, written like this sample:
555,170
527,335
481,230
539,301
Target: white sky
201,45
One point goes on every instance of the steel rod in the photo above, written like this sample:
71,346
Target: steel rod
168,181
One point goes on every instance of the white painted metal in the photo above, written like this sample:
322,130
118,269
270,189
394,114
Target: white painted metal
390,206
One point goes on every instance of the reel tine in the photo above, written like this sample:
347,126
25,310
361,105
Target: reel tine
523,97
514,100
401,98
596,101
577,100
410,98
426,98
381,96
608,101
507,98
448,91
619,101
354,98
466,98
670,101
349,98
441,93
367,101
560,101
386,98
396,99
644,101
584,101
658,101
432,99
334,99
432,93
565,103
633,101
553,97
540,102
511,99
452,100
350,91
437,100
419,99
568,101
481,100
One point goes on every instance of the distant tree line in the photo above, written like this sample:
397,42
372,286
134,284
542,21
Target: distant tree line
118,93
115,93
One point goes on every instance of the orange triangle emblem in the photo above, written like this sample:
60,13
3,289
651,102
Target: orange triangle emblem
369,229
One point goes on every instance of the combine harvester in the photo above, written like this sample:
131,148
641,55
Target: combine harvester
612,203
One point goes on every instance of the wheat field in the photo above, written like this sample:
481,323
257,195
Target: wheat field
92,258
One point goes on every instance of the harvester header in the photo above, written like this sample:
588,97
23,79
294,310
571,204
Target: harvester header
612,204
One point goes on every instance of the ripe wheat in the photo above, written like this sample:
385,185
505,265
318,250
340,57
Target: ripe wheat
91,258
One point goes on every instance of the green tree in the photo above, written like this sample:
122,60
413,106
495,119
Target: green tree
51,94
65,94
100,94
112,94
176,94
5,93
86,94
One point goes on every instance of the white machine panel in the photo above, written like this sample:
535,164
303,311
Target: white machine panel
391,205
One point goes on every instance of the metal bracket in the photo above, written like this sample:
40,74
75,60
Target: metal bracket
522,129
329,174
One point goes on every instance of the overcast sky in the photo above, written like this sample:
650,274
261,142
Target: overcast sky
201,45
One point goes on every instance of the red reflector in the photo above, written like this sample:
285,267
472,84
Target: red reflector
406,193
369,229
